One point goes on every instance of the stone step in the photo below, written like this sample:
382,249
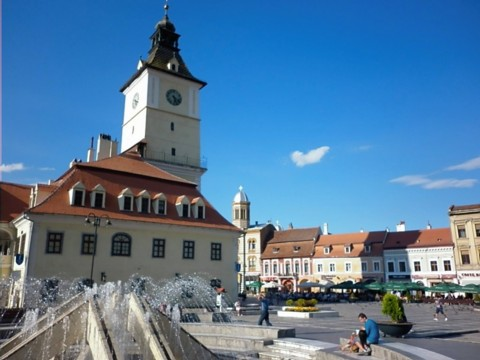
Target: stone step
216,342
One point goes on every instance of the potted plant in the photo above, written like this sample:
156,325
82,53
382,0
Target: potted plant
398,325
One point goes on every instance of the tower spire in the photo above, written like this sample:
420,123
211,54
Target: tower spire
166,7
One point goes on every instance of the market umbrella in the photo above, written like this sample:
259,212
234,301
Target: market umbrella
444,287
471,289
271,285
375,286
256,284
347,285
310,284
402,286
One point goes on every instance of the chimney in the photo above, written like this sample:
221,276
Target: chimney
325,229
401,226
90,152
106,147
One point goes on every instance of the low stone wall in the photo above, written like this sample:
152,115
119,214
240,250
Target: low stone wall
307,315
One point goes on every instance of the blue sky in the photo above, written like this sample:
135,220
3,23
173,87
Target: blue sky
359,114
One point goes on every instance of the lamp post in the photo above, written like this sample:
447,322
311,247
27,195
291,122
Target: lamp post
96,221
244,263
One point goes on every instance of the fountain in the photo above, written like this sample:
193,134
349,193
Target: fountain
140,319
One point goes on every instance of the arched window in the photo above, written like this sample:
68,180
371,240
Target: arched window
121,244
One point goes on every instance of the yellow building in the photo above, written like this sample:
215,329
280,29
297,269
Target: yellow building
465,229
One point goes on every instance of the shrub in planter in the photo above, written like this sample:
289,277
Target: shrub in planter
300,302
289,302
392,306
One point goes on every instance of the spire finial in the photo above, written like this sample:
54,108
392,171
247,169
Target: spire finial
166,7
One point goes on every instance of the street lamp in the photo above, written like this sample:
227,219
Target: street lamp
96,221
244,264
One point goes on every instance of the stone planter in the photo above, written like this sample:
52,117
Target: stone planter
394,329
307,315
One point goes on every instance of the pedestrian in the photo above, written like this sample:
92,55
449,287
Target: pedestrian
264,311
238,307
368,334
439,309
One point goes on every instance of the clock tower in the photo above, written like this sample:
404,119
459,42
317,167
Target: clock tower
162,100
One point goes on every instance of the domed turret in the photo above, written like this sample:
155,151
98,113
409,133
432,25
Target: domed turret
241,209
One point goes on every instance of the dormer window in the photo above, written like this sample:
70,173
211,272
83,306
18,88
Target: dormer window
160,204
368,248
77,194
326,250
183,206
97,197
143,202
276,250
198,208
172,65
125,200
348,248
296,248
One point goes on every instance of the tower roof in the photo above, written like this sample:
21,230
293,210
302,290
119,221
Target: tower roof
240,196
164,49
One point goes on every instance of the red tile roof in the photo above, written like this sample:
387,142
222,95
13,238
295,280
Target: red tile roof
292,243
127,170
418,238
357,241
14,200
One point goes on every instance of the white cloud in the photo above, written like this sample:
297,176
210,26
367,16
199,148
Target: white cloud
411,180
11,167
450,183
467,165
427,183
312,157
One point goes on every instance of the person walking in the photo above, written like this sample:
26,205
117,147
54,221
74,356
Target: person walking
439,309
264,311
368,334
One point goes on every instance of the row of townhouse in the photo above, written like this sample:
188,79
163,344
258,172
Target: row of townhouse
294,256
424,256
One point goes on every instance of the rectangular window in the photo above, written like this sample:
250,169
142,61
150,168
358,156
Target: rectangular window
465,255
447,266
461,231
348,267
364,266
320,268
287,269
145,205
78,197
391,266
188,249
326,250
348,249
173,151
158,250
216,251
376,266
402,266
332,267
275,269
306,268
127,203
185,210
368,248
433,265
54,243
88,244
200,212
98,200
416,266
297,268
161,207
477,230
266,269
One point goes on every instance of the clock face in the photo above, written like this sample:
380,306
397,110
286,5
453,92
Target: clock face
174,97
135,99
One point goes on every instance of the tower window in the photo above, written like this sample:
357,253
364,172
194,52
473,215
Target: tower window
173,151
172,126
